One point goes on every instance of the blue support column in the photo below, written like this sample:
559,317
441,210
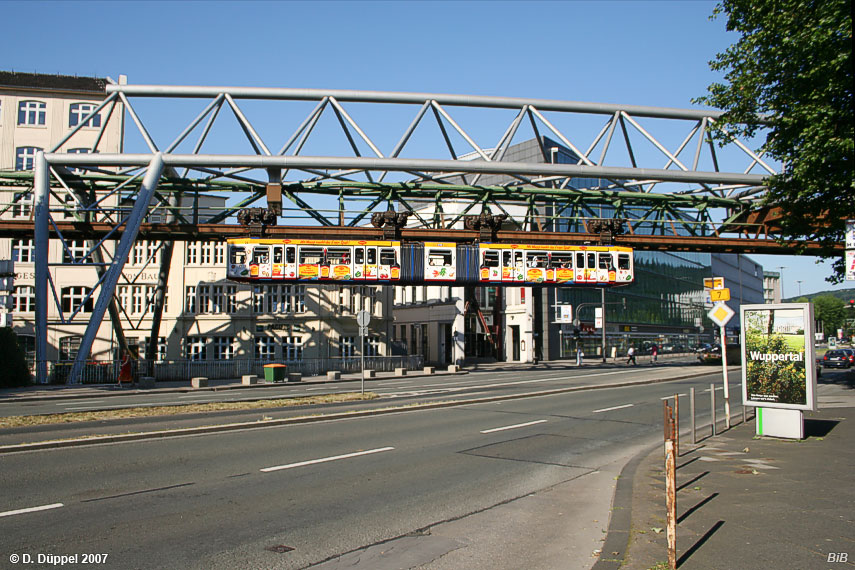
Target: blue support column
41,189
108,285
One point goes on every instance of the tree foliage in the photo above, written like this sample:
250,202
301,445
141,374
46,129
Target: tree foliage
792,71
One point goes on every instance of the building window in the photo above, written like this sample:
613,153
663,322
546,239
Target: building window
348,346
292,348
68,347
205,253
25,299
76,253
22,250
197,348
372,346
144,252
190,299
74,298
224,347
32,113
25,157
22,205
265,348
161,348
78,111
272,299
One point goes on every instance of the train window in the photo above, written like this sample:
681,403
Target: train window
537,259
261,255
491,258
592,261
311,255
238,256
439,257
387,257
606,261
359,255
338,255
623,261
277,254
562,259
506,259
290,255
580,261
371,256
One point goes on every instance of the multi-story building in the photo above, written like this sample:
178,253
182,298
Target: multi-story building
205,317
772,287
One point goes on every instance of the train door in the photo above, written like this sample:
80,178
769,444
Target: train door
359,262
278,261
371,265
507,266
519,265
604,267
289,268
591,267
260,266
579,273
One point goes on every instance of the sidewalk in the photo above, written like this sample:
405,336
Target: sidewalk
744,501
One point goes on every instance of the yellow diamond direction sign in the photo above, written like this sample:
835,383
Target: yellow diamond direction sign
720,314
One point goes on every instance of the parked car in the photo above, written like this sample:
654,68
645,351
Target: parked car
710,354
836,359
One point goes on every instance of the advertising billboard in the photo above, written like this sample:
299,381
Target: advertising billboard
778,362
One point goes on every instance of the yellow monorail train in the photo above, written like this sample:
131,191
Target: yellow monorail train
267,260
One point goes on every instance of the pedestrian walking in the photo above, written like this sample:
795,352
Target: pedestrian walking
655,352
579,356
631,355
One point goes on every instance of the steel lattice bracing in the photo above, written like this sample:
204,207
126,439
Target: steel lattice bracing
342,155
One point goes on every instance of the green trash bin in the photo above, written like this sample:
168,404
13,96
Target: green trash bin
275,372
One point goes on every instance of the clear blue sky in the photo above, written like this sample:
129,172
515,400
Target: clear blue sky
642,52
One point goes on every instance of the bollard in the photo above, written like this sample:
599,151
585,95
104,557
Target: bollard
400,372
333,375
712,406
692,412
249,379
199,382
147,382
430,370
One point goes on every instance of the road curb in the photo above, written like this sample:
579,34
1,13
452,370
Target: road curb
181,432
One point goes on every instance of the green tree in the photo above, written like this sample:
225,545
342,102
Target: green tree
831,311
791,71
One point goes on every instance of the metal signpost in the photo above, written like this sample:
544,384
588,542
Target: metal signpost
720,315
362,319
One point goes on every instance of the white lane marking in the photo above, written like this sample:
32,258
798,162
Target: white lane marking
669,397
513,426
87,401
326,459
31,510
615,408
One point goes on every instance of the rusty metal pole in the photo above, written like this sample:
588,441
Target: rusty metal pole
670,485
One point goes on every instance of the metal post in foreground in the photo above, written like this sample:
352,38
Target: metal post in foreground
671,486
692,412
712,407
724,373
677,424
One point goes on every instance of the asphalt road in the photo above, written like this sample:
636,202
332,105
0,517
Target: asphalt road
293,496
